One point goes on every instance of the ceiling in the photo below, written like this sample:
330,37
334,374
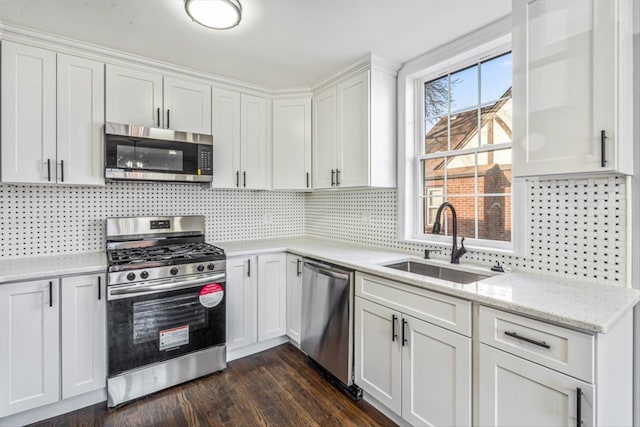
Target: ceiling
279,43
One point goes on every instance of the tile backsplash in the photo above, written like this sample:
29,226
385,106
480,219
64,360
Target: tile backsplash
576,227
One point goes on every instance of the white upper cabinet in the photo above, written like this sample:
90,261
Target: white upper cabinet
292,144
572,87
80,120
146,98
241,150
354,131
52,117
187,105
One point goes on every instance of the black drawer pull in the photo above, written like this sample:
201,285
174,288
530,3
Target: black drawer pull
168,119
49,170
158,115
249,267
244,178
337,177
99,289
529,340
333,177
307,179
50,294
237,178
298,271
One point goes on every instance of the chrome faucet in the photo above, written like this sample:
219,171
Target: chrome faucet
456,253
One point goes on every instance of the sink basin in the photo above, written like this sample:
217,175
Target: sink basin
449,274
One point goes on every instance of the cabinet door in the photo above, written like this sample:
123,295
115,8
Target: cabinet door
294,296
28,122
226,138
241,293
272,296
134,97
516,392
30,356
436,375
324,138
84,338
378,363
565,86
253,142
292,144
80,148
353,132
187,106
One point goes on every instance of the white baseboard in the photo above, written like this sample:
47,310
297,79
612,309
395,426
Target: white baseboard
255,348
385,411
55,409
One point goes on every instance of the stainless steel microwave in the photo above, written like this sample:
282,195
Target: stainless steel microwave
138,153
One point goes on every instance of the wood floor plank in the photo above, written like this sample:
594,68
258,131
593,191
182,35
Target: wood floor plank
277,387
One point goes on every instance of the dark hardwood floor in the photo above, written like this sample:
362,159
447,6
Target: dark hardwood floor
277,387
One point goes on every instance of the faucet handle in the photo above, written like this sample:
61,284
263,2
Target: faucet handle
428,251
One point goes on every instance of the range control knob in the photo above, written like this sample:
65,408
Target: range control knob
144,275
174,271
131,276
200,267
211,266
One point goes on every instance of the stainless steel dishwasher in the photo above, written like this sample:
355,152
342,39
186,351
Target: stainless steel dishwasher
327,321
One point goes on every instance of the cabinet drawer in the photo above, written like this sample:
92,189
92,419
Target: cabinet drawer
564,350
441,310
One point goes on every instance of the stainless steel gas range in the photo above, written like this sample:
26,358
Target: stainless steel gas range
166,305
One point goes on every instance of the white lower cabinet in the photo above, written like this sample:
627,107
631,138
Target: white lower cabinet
420,371
39,367
516,392
294,296
256,299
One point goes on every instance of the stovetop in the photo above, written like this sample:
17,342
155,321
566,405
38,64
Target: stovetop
162,255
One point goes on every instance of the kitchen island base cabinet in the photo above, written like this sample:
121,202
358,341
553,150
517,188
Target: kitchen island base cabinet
39,367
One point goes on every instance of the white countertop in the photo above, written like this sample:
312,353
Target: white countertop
583,305
19,269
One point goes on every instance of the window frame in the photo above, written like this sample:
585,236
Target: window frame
486,43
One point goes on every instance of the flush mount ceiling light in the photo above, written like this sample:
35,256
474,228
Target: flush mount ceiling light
216,14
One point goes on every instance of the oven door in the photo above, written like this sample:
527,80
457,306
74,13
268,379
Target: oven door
149,159
159,320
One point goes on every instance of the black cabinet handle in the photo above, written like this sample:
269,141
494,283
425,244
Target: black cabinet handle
62,170
49,170
298,271
603,148
249,267
394,319
333,179
244,179
99,289
404,337
237,178
529,340
337,177
167,118
579,407
307,179
50,294
158,116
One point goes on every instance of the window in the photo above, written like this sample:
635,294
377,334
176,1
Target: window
463,155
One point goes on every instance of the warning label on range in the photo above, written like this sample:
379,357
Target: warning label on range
174,337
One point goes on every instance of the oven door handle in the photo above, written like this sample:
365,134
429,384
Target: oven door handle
131,291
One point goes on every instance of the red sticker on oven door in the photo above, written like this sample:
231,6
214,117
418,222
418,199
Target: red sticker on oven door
211,295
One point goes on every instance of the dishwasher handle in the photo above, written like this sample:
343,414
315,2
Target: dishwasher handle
327,270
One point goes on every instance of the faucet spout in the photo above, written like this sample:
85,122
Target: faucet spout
456,253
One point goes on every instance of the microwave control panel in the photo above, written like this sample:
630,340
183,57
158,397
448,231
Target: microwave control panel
205,159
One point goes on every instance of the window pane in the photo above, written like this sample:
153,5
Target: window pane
464,130
466,217
496,123
461,177
433,174
431,205
495,80
436,97
494,172
494,217
464,88
436,134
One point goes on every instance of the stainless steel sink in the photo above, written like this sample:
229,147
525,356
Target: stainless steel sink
449,274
